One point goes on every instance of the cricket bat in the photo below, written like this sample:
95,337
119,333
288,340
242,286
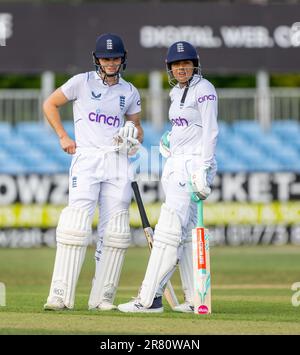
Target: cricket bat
169,292
201,265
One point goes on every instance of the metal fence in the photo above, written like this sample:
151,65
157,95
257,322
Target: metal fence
20,105
237,104
234,104
285,104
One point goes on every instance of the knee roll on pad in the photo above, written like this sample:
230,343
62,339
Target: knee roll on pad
108,269
164,257
168,228
117,234
74,227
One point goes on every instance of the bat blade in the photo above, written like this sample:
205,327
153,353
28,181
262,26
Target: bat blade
201,270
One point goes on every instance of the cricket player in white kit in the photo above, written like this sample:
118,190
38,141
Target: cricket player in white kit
107,128
190,166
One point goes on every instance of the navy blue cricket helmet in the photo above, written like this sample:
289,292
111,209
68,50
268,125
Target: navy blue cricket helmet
182,51
109,45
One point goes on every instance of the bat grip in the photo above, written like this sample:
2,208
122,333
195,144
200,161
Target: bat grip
200,214
138,198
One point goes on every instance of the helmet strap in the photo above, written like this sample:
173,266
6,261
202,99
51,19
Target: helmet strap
102,73
173,82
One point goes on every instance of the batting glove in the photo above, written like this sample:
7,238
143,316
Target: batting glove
200,187
127,139
164,145
128,131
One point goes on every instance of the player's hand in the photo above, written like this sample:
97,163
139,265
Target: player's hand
128,146
200,187
164,145
128,131
133,146
68,145
127,139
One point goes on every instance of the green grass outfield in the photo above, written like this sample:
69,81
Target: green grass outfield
251,294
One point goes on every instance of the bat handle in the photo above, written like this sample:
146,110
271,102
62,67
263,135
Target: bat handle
144,218
200,214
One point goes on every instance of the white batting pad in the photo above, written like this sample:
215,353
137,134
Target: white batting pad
74,227
108,268
164,257
186,269
72,234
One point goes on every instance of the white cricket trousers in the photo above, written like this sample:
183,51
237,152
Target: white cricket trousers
175,182
103,178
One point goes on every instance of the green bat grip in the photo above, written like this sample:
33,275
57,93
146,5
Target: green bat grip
200,213
199,203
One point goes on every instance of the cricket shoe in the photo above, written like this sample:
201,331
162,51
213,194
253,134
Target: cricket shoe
185,307
135,306
55,304
104,306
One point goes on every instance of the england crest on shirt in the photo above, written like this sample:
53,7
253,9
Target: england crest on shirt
122,102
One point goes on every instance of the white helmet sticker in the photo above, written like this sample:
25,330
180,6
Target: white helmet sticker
109,44
180,47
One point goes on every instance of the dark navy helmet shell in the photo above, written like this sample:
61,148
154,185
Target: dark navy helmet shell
182,51
109,46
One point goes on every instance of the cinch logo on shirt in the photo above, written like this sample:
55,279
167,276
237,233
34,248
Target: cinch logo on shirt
179,122
109,120
207,97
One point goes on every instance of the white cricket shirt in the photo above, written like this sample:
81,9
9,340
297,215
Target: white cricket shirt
99,109
194,123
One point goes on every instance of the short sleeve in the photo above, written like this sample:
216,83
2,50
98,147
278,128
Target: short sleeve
71,88
135,103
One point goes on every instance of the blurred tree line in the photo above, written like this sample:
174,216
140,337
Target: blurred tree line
140,80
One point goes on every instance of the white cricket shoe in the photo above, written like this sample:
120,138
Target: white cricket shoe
103,306
185,307
135,306
55,304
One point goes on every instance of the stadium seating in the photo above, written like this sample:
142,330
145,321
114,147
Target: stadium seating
151,136
31,147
